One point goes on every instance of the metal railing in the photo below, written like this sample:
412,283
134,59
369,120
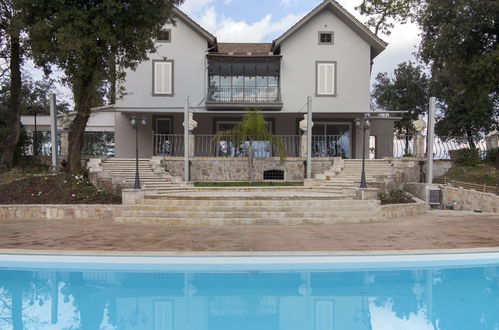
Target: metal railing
168,145
403,145
270,94
331,146
208,145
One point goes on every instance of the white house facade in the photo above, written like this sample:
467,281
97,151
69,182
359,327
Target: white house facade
326,56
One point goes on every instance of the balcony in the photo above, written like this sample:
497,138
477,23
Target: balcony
245,96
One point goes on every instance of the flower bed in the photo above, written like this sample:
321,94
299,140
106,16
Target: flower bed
55,189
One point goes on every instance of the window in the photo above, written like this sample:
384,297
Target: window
273,175
326,38
325,79
162,78
164,35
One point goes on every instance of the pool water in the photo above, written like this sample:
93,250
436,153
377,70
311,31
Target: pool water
427,298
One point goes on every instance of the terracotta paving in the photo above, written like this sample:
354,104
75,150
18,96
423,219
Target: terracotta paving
436,230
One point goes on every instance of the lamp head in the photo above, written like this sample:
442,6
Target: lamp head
143,121
133,121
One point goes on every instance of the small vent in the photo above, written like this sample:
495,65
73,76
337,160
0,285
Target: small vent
435,197
273,175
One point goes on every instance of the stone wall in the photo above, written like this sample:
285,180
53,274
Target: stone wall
60,212
469,200
236,169
403,210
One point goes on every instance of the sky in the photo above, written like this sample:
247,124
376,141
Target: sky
265,20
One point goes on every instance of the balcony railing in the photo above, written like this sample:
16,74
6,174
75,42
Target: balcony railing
270,94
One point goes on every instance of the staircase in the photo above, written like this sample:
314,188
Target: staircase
151,176
250,208
347,173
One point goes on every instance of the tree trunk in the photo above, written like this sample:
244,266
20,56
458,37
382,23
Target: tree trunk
77,128
13,120
470,139
250,161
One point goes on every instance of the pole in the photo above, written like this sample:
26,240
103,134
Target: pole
35,149
309,137
363,183
186,140
137,178
431,140
53,130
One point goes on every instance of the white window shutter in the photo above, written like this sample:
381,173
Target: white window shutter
163,78
326,78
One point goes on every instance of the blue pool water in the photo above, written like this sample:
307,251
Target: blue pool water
256,294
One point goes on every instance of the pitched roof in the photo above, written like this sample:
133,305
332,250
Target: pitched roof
243,49
377,45
195,26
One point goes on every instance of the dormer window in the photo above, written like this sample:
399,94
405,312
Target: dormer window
326,38
164,35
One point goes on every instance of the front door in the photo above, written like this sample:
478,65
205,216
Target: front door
163,137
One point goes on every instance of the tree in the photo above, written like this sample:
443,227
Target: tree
251,128
88,40
383,12
407,91
12,52
459,42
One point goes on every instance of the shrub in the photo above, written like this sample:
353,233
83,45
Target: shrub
395,197
491,156
467,157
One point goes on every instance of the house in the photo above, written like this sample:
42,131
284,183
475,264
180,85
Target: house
327,55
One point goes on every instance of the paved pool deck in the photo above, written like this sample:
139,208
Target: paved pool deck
437,230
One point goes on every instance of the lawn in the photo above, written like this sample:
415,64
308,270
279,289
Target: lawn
54,189
481,174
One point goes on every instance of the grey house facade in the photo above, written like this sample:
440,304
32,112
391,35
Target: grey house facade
327,55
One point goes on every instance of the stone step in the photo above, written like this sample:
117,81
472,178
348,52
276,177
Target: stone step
246,221
347,202
245,214
204,208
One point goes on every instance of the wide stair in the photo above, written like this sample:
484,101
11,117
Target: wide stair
255,208
124,169
348,173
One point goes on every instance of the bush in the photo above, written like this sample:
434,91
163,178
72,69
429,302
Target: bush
466,157
491,156
395,197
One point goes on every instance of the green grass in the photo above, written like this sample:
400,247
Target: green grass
481,174
247,184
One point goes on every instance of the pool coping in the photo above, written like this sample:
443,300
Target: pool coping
267,262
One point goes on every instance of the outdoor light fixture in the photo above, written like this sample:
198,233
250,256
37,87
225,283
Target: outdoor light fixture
365,123
134,123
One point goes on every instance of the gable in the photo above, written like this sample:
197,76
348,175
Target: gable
377,45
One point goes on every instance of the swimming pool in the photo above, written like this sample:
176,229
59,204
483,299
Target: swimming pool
430,291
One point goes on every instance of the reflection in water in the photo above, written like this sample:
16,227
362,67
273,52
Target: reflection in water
461,298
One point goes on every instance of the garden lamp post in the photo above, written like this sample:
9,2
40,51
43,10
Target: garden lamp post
135,124
365,124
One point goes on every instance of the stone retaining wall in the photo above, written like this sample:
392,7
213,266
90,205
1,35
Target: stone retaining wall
403,210
469,200
59,212
236,169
